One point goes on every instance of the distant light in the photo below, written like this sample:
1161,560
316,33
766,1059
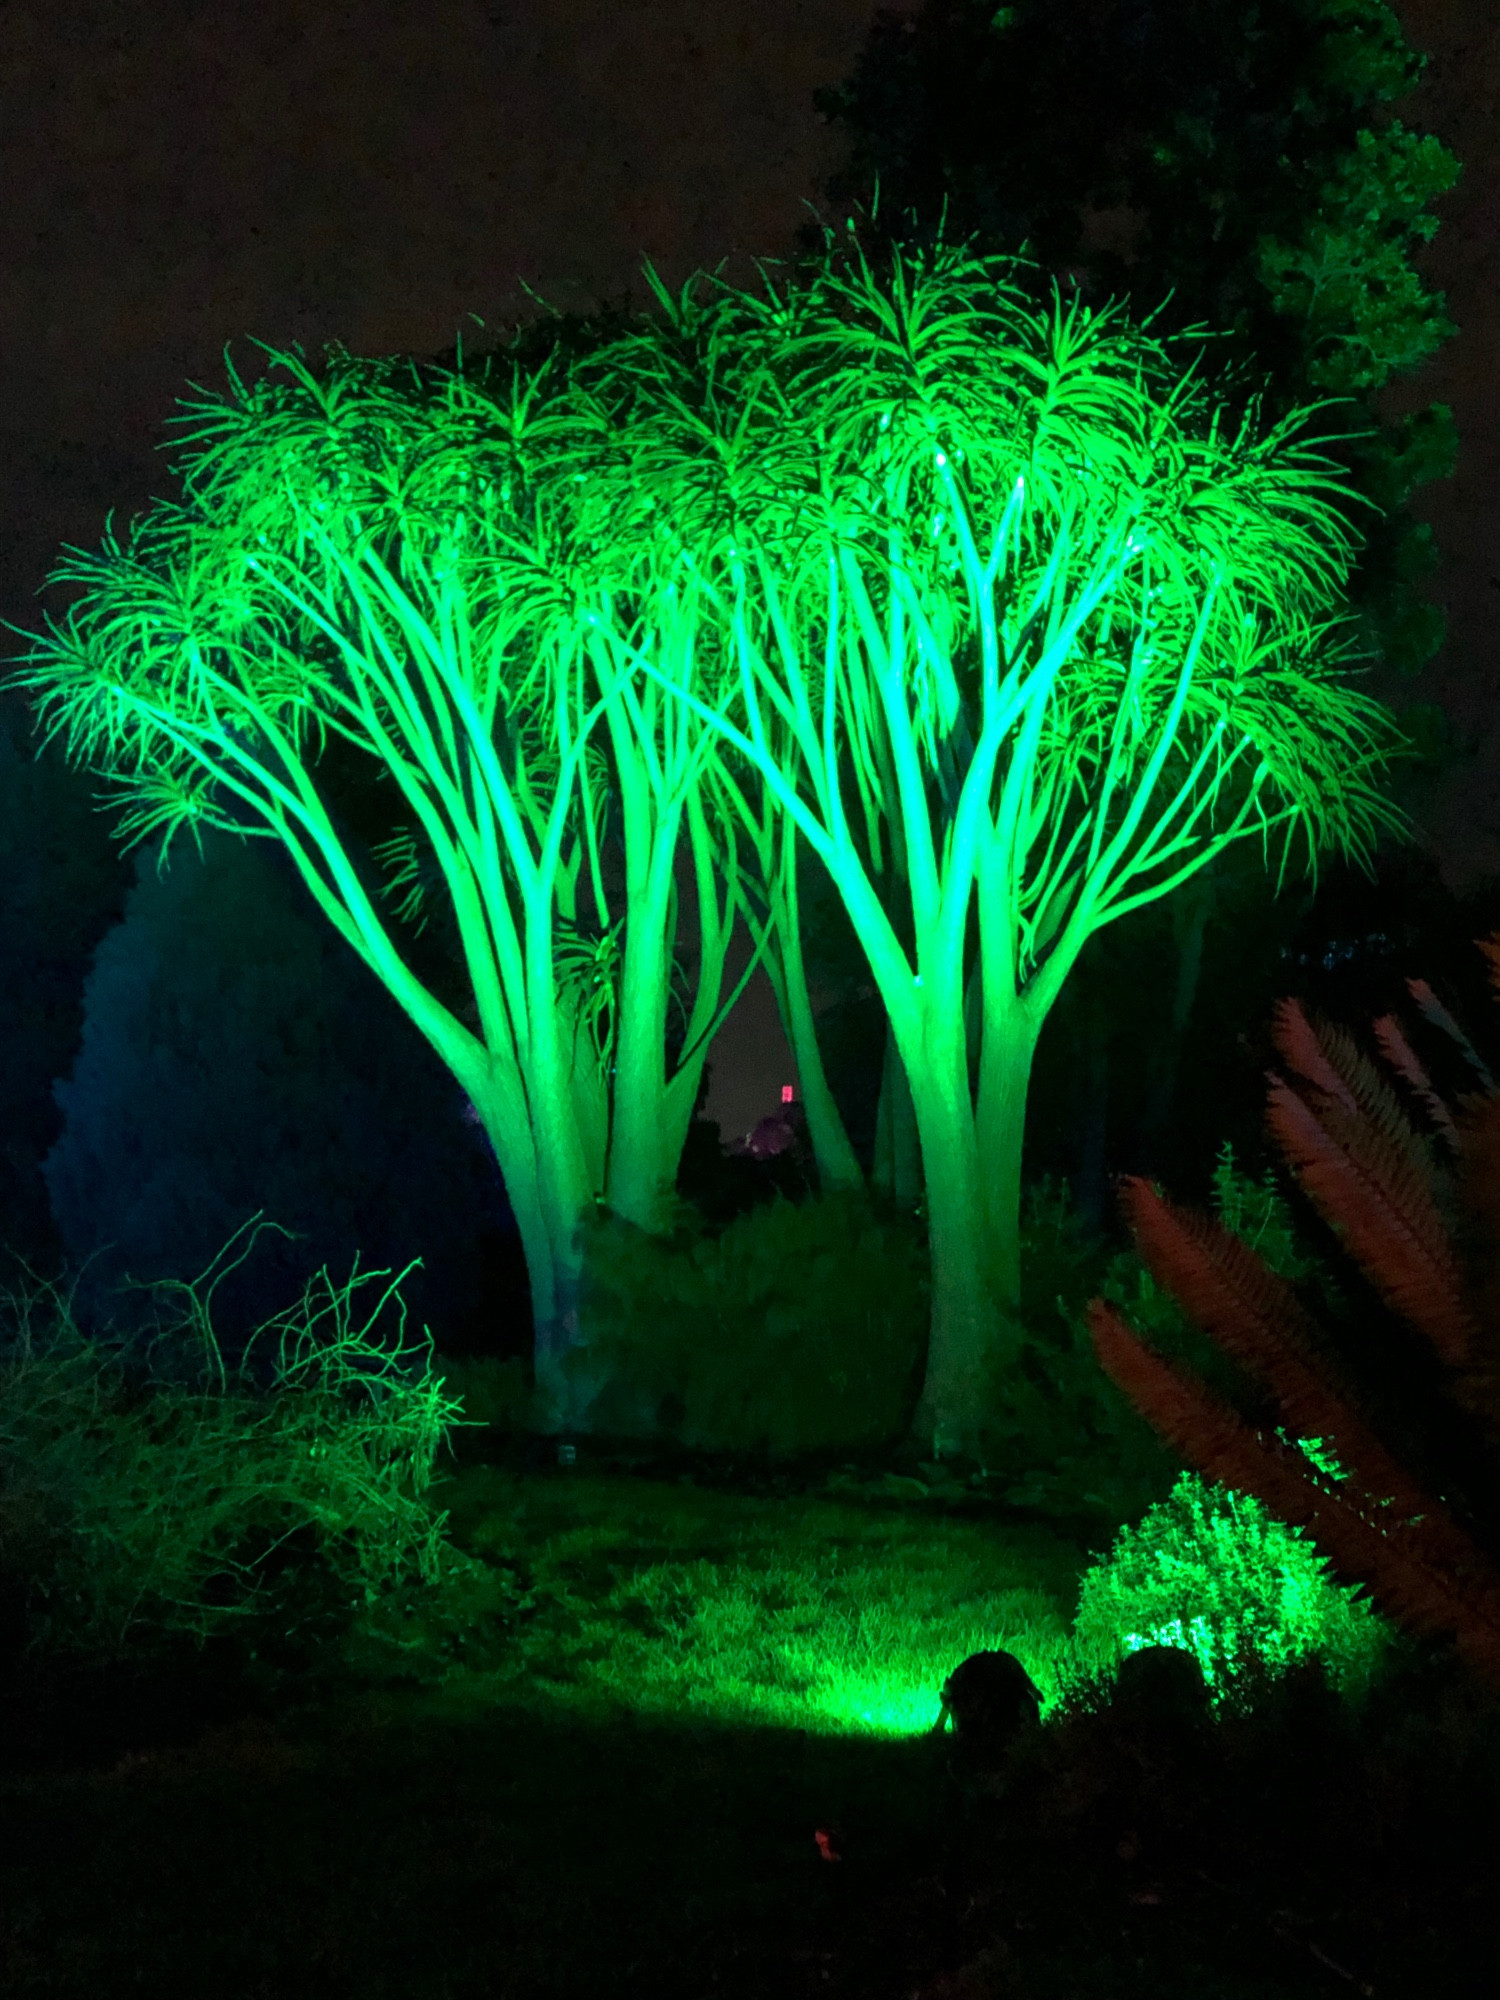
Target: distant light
788,1093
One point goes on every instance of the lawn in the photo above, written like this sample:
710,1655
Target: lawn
600,1770
603,1766
799,1611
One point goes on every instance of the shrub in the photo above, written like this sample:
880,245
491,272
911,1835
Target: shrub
237,1057
496,1394
1209,1571
1060,1438
142,1501
800,1328
1407,1180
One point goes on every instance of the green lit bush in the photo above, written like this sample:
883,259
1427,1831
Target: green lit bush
1210,1571
143,1500
801,1328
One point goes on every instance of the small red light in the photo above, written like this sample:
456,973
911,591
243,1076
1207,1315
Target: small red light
788,1093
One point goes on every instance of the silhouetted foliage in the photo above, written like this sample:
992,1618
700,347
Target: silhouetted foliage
237,1059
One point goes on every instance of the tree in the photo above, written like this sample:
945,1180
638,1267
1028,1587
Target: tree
1009,596
420,569
60,891
1233,164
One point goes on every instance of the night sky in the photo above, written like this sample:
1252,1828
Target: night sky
178,174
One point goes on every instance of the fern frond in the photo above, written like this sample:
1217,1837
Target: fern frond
1434,1011
1255,1317
1301,1047
1408,1065
1358,1089
1373,1191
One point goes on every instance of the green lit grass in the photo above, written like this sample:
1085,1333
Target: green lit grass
829,1616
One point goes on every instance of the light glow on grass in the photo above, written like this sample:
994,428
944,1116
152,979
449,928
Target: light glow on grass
792,1613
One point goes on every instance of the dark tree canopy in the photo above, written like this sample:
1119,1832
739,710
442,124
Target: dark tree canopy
1227,163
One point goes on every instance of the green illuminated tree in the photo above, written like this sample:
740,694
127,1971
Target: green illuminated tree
1009,599
428,571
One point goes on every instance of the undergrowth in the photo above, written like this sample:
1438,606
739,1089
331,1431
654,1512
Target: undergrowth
1208,1571
155,1493
800,1328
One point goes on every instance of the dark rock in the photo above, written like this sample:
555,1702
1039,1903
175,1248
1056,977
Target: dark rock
1161,1686
993,1702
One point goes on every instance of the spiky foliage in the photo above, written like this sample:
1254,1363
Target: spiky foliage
1423,1234
1019,624
142,1502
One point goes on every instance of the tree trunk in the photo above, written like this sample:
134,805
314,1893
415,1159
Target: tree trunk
551,1237
967,1343
1190,911
898,1157
837,1164
1009,1049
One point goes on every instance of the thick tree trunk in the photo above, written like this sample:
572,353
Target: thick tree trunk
972,1330
1004,1082
551,1236
964,1344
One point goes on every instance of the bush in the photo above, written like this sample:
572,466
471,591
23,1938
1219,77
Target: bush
142,1501
496,1395
236,1057
1209,1571
800,1329
1060,1438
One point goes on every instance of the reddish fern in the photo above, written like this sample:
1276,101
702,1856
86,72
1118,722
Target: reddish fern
1370,1174
1376,1180
1255,1317
1460,1600
1408,1065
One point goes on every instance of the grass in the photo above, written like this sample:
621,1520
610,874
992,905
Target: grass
798,1612
595,1760
601,1772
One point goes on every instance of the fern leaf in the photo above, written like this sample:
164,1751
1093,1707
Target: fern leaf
1350,1087
1255,1317
1434,1011
1373,1191
1300,1047
1408,1065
